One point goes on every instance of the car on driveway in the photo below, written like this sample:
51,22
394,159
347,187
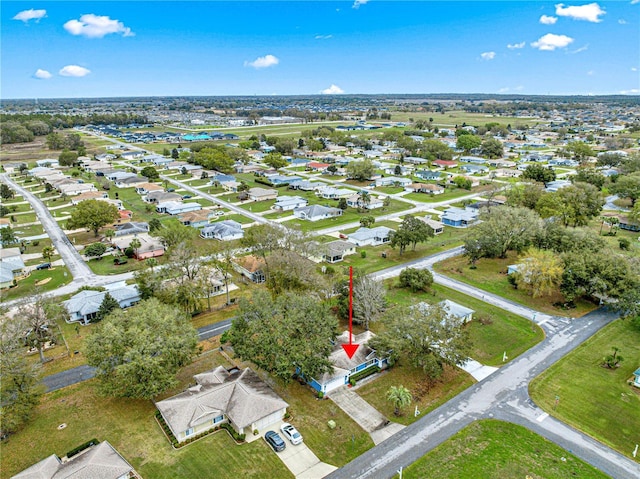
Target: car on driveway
291,433
275,441
43,266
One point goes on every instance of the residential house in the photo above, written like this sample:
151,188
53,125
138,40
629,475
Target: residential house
398,170
176,207
158,197
335,251
75,189
457,312
89,195
316,212
279,180
415,160
626,224
636,378
48,162
146,188
239,398
83,306
5,223
554,186
225,230
131,155
251,267
344,367
472,159
507,173
392,181
317,166
120,175
131,228
287,203
306,185
220,178
371,236
474,181
132,181
331,193
436,226
445,163
356,201
196,219
150,246
428,175
427,188
261,194
12,266
474,169
98,461
459,218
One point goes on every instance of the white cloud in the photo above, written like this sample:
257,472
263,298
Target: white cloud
94,26
74,71
516,46
580,50
634,69
503,90
488,55
42,74
332,90
633,2
31,14
633,91
550,42
263,62
357,3
622,21
323,37
590,12
591,73
548,20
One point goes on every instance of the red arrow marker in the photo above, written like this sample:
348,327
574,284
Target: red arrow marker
350,348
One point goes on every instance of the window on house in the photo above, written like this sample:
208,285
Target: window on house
188,432
218,419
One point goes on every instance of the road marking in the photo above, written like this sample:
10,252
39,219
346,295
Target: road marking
542,417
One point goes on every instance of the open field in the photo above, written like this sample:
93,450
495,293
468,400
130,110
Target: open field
491,276
592,398
456,117
496,449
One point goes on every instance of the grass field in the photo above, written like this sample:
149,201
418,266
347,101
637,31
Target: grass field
501,331
453,382
490,276
595,399
59,276
499,450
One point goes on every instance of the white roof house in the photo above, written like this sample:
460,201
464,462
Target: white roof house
177,207
226,230
316,212
371,236
101,461
287,203
83,307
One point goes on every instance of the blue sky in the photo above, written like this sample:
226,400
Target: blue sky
97,49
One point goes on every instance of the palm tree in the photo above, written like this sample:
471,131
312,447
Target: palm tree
364,199
109,234
135,244
47,253
400,397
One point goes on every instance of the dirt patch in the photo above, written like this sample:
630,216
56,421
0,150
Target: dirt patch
43,281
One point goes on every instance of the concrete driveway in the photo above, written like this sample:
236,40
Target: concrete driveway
303,463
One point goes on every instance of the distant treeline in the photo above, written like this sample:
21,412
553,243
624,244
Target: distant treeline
23,128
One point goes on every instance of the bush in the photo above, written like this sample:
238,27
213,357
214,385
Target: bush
232,431
363,254
129,252
320,394
624,243
82,447
416,279
363,374
352,381
35,242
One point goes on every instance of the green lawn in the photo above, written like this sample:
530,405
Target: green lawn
236,217
59,277
496,449
491,276
452,383
258,206
493,330
105,266
389,190
595,399
449,194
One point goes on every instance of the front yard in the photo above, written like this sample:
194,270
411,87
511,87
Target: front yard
592,398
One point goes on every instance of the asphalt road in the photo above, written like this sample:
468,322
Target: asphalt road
84,372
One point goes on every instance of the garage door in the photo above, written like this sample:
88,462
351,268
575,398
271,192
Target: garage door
336,383
269,420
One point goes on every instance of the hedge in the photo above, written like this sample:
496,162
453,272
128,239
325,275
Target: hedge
82,447
365,372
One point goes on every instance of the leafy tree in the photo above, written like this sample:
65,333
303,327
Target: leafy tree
428,336
367,221
137,354
492,148
501,230
20,388
68,158
154,225
588,175
554,236
468,142
73,141
149,282
539,271
48,252
400,397
525,194
333,169
612,360
573,205
150,172
368,300
628,186
410,232
579,150
539,173
214,158
7,236
172,233
462,182
364,199
95,250
54,141
361,170
6,193
35,312
108,304
287,334
416,279
435,150
342,204
109,234
275,160
93,215
175,154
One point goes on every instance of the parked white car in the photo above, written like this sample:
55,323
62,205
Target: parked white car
291,433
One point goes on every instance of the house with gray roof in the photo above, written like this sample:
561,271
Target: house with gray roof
239,398
131,228
453,310
161,196
177,207
225,230
335,251
316,212
371,236
288,203
459,217
83,306
101,461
